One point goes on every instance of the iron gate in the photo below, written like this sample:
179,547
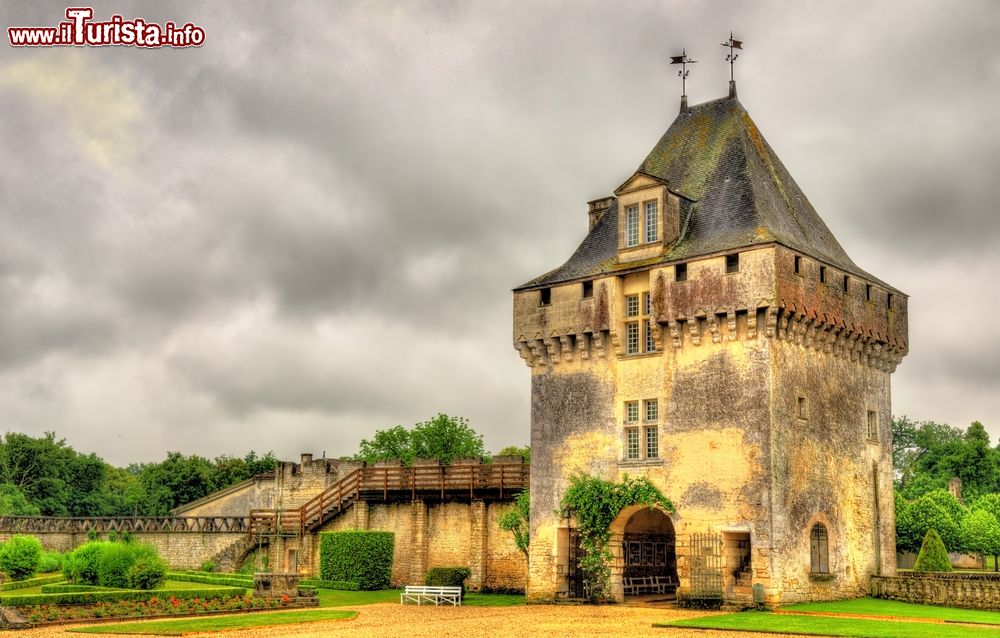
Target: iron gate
706,565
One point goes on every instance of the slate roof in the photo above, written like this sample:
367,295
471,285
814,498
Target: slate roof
735,193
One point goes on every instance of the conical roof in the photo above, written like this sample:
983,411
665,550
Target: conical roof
736,190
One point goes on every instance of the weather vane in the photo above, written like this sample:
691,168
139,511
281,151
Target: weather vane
682,60
731,58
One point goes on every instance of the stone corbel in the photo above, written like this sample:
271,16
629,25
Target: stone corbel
567,348
731,325
713,327
675,333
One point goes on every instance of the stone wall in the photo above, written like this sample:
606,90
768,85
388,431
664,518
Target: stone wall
430,535
973,591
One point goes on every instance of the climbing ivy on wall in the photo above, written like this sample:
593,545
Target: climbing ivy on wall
595,504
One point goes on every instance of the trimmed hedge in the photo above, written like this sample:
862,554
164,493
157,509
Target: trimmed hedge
211,579
115,564
112,596
357,556
66,588
447,577
32,582
329,584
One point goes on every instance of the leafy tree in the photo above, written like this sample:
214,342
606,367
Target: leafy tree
386,445
948,503
513,450
921,516
933,556
981,533
14,503
446,438
517,521
977,462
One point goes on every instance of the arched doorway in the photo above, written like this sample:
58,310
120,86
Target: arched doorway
649,553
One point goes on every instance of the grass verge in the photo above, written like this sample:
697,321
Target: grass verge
879,607
827,626
218,623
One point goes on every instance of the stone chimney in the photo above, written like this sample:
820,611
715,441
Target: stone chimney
597,208
684,104
305,459
732,89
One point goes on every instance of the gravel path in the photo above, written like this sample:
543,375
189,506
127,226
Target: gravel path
395,621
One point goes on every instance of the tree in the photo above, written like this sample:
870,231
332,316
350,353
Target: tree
933,556
921,516
386,445
981,533
517,521
446,438
513,450
977,462
14,503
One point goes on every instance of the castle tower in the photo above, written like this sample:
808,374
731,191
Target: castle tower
711,334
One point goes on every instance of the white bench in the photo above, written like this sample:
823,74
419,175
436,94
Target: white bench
429,593
637,585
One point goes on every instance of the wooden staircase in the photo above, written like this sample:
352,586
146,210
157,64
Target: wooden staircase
500,481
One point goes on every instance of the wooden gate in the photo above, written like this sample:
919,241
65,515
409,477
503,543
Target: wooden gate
575,575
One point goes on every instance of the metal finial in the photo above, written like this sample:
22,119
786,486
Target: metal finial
731,58
682,60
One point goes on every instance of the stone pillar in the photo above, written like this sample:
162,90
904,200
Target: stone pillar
478,539
418,543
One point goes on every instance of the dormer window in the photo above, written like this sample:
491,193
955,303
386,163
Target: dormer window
632,226
652,222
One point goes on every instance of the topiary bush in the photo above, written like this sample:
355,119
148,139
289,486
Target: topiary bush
147,572
362,557
50,562
115,564
80,565
447,577
19,556
933,556
208,566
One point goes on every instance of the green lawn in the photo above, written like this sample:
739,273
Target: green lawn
337,598
827,626
879,607
217,623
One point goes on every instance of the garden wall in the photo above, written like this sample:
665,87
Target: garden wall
972,591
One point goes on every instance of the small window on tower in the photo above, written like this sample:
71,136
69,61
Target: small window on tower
847,284
732,263
681,272
868,292
872,425
798,265
888,301
546,297
822,274
588,289
800,407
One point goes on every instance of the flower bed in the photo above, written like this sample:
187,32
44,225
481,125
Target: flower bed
152,608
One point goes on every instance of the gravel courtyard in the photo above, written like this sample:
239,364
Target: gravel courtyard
395,621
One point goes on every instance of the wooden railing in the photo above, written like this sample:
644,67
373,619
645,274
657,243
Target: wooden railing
102,524
501,481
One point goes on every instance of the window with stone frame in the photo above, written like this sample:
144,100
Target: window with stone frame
639,335
872,425
652,222
633,451
631,226
819,550
651,428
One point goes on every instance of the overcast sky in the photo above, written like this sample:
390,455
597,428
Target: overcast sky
308,228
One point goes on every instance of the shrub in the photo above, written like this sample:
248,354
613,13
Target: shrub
108,596
113,564
362,557
31,582
50,562
447,577
329,584
208,566
147,572
19,556
933,556
80,565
